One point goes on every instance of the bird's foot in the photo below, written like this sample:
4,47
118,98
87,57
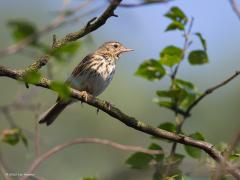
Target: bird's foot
85,95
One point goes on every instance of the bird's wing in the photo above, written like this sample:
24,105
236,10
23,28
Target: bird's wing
89,61
78,69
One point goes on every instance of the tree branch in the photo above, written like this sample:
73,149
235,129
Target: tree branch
92,25
211,90
36,163
131,121
235,7
144,3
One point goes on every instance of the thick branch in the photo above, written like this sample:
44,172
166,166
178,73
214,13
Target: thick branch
61,147
131,121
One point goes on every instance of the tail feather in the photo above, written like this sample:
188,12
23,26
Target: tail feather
52,113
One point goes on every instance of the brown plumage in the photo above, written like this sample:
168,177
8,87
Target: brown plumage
93,74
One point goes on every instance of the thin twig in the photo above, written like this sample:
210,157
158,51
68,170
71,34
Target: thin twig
235,7
211,90
61,147
101,20
144,3
37,139
3,168
4,172
185,47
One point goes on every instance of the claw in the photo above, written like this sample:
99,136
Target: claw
108,105
82,103
98,110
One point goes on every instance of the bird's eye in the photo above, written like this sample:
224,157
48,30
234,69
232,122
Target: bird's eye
115,46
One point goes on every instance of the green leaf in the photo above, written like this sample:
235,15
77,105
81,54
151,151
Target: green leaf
176,14
198,57
188,93
22,29
234,157
203,41
192,151
62,89
168,126
184,84
139,160
151,70
175,25
186,100
176,158
70,48
173,94
32,77
11,136
185,177
157,157
166,104
171,55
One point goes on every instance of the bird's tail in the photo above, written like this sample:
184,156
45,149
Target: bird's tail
52,113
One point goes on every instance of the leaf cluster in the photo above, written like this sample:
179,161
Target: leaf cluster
179,96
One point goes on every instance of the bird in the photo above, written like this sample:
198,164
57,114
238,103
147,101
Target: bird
92,75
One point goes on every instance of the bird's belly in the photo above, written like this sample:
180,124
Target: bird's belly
94,83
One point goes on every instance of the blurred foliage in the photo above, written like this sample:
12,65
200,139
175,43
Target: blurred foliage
32,77
151,70
62,89
192,151
89,178
13,136
141,160
22,29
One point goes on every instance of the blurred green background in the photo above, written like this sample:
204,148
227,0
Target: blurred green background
142,29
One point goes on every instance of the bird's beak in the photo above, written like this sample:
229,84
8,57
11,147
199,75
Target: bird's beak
126,50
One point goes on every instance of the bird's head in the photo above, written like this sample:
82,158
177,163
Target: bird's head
113,48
